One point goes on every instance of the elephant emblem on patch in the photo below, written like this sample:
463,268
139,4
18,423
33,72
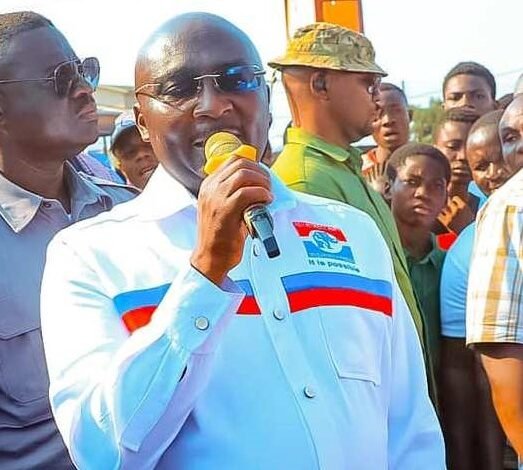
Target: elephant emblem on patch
326,242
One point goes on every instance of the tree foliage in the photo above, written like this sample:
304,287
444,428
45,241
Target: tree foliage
425,121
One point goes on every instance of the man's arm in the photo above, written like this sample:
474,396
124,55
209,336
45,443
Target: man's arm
121,400
494,317
415,438
112,393
503,363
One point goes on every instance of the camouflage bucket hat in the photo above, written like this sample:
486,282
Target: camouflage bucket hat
329,46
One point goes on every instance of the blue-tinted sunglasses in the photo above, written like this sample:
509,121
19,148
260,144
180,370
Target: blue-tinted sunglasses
182,92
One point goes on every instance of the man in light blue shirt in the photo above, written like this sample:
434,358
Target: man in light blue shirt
48,115
197,350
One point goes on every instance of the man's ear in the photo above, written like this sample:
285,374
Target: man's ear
318,83
387,191
140,123
410,113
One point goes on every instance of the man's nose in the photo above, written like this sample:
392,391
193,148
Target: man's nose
81,87
460,154
211,102
467,100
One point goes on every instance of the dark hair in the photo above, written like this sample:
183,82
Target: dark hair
12,24
505,100
399,157
472,68
386,86
490,119
459,114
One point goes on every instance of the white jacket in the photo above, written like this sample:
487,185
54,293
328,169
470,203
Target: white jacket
309,360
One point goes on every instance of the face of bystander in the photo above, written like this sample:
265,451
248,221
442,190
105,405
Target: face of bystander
469,91
419,191
451,140
391,128
511,135
486,160
135,158
36,120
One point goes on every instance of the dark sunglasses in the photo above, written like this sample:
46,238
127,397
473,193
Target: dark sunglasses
67,74
182,92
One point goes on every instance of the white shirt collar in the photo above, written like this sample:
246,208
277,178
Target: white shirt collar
164,196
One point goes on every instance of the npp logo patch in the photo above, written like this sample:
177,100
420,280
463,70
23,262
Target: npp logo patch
323,242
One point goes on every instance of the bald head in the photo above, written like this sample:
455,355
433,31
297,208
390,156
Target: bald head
197,75
172,44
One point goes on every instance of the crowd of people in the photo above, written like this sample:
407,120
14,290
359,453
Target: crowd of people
144,325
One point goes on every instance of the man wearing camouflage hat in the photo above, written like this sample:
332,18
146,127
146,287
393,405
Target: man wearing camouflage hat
332,82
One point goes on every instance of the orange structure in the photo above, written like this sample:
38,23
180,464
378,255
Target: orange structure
343,12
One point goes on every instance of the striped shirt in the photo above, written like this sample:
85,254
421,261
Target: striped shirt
495,292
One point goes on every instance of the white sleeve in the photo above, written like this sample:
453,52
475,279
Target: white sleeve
112,393
415,439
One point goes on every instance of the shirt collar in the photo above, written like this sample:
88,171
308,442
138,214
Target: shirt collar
350,155
164,196
431,256
18,206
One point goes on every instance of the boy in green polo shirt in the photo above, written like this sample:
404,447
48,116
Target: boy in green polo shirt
418,176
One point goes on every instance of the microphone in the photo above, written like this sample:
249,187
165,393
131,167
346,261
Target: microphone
219,147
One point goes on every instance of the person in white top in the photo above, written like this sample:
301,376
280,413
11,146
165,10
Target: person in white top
196,350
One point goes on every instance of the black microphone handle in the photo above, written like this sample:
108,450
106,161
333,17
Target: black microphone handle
260,225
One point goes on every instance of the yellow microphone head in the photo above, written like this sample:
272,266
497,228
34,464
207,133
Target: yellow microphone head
220,146
221,143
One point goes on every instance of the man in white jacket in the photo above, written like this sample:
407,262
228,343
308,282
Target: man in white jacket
196,350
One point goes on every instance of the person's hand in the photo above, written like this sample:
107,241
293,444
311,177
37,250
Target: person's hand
223,197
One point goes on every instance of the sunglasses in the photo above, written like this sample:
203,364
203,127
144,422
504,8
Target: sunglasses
67,74
183,92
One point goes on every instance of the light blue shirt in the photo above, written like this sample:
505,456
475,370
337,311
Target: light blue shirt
306,361
475,191
28,435
454,281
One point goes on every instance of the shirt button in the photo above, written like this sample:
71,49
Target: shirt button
309,392
278,314
255,250
202,323
47,205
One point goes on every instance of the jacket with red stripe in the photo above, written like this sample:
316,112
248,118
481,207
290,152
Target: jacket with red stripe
308,360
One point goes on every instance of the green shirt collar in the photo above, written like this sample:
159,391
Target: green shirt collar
431,257
350,155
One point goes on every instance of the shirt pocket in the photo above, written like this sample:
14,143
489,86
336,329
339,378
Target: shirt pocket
355,340
23,372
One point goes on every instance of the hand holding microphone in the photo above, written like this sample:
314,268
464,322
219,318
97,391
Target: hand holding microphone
238,189
220,147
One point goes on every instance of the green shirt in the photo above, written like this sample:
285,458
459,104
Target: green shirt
311,165
425,274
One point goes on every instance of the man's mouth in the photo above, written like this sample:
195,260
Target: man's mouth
390,135
422,210
88,113
461,172
147,171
